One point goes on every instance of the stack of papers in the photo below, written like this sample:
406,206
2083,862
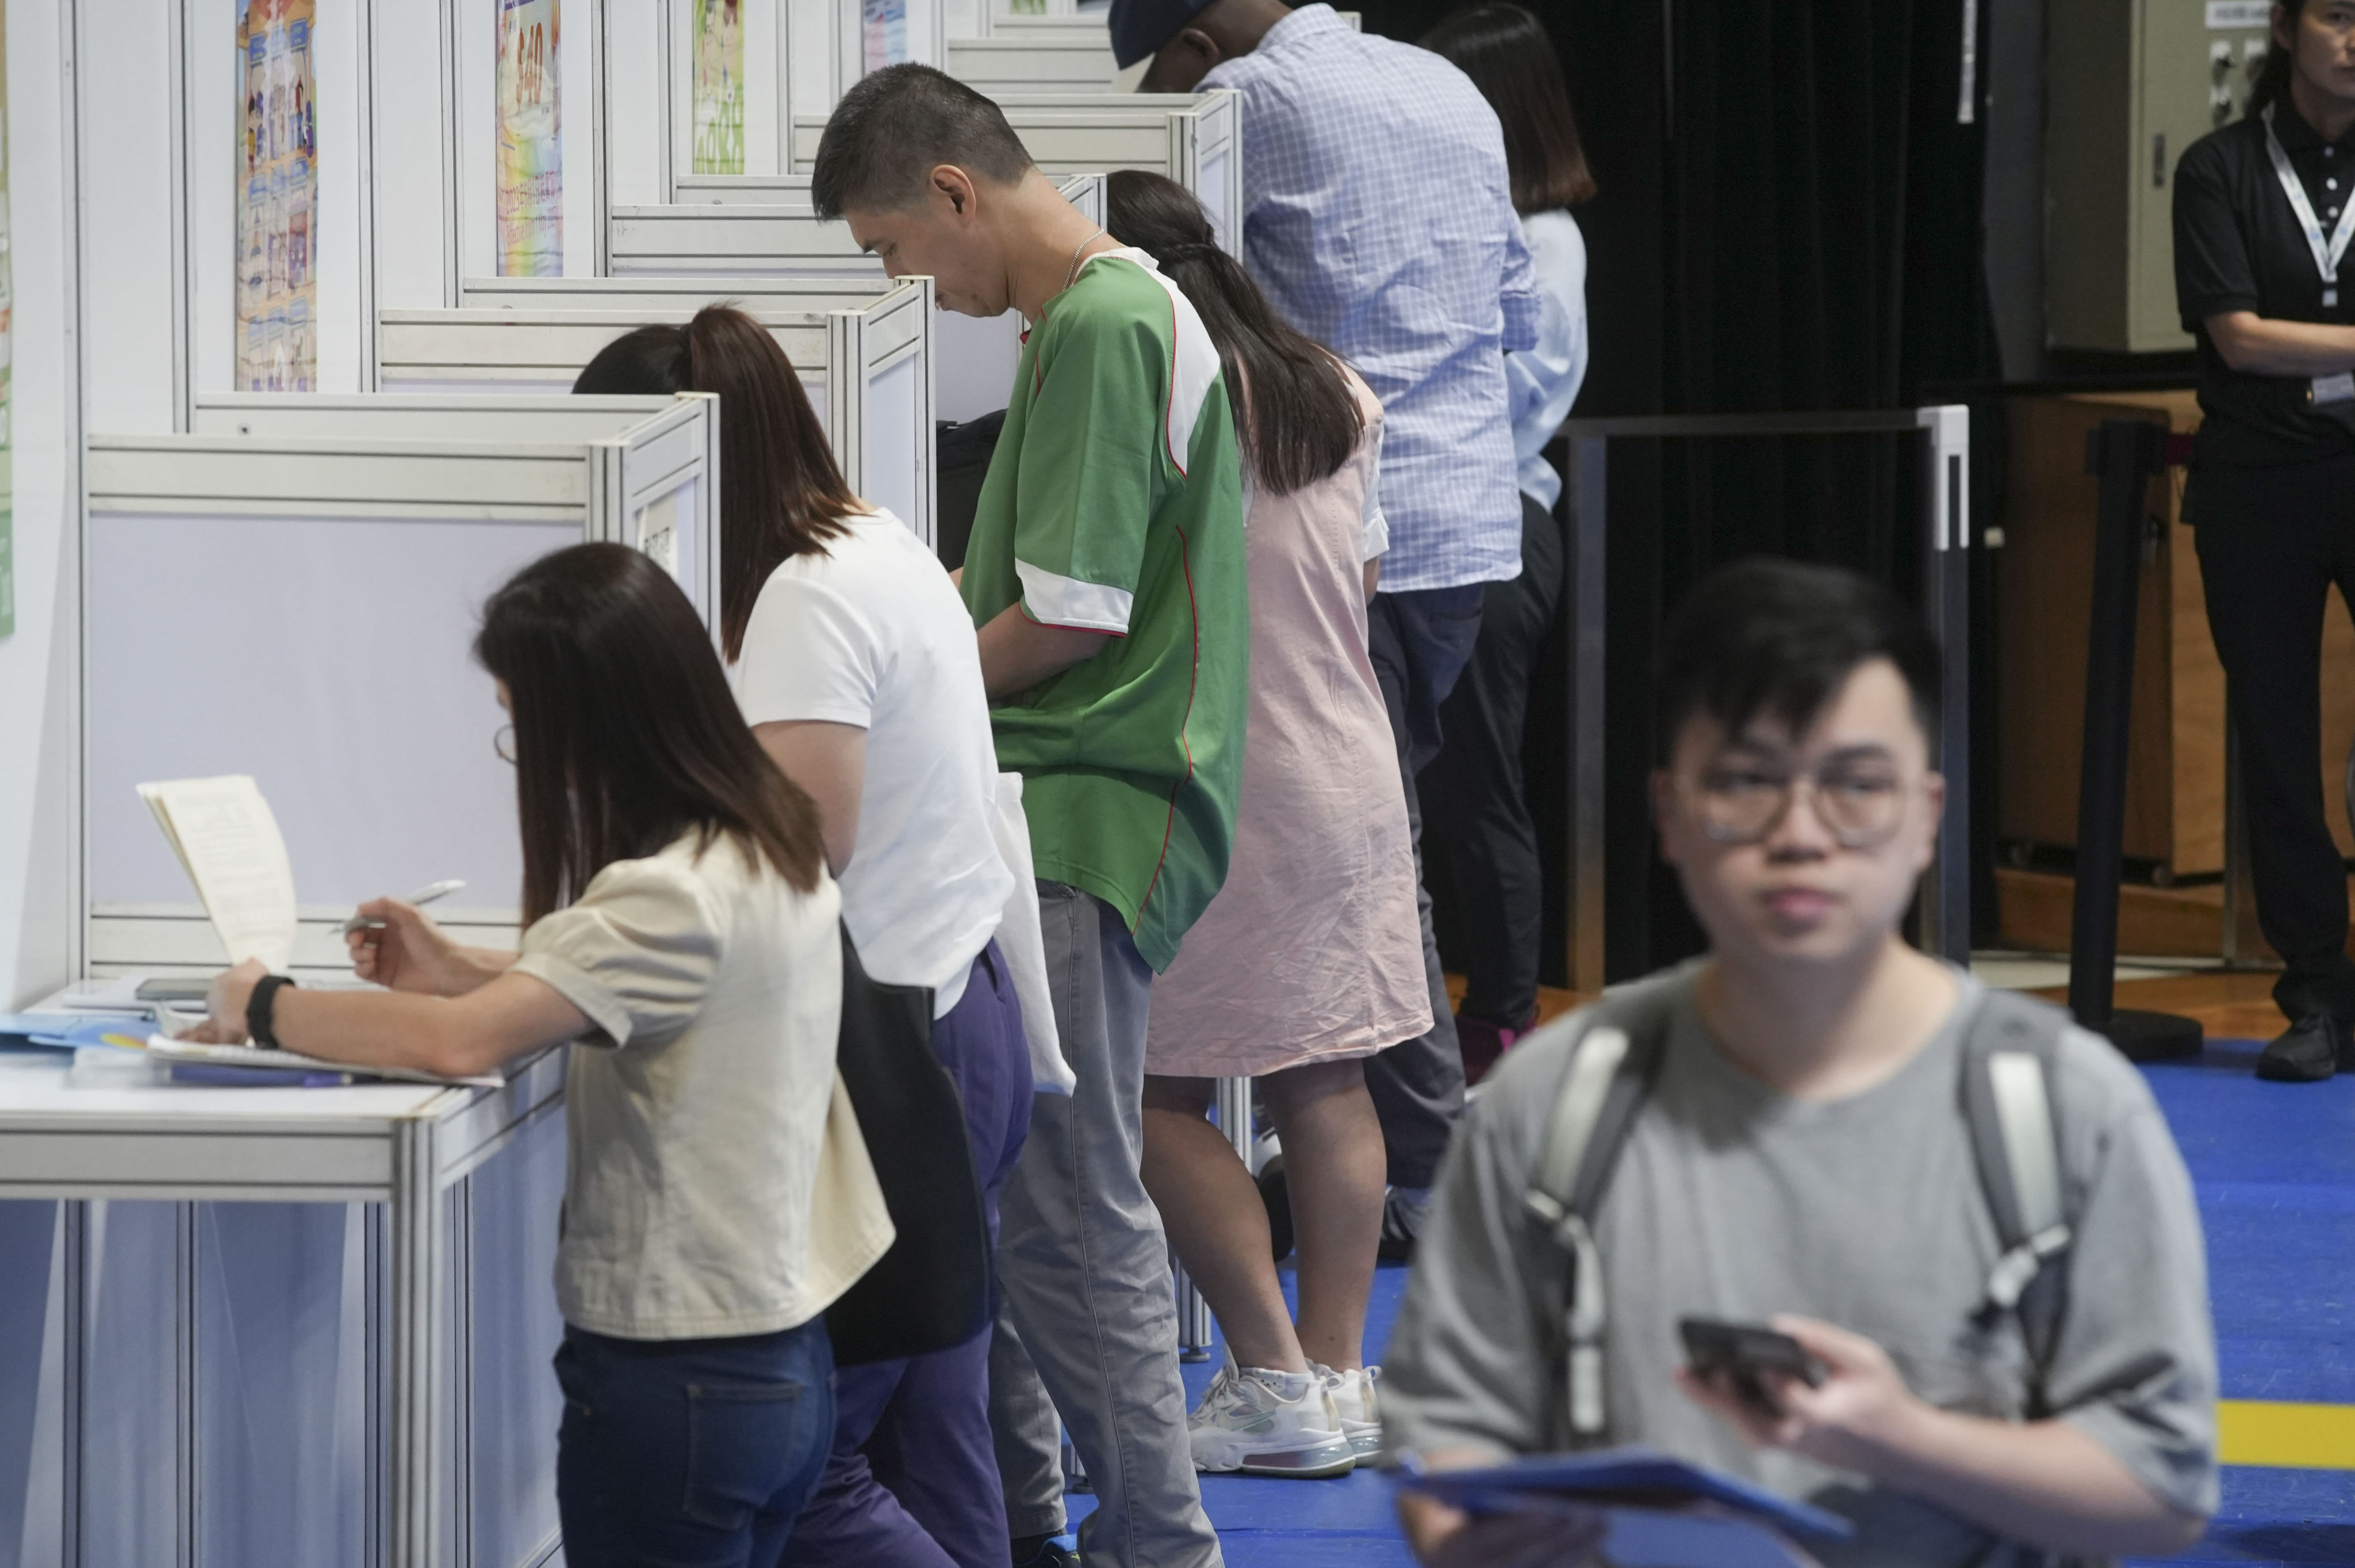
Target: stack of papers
227,841
1655,1512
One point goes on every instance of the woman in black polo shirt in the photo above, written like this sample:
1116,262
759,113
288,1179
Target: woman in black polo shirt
2264,212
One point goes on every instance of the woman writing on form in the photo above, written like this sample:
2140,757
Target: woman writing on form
680,925
854,663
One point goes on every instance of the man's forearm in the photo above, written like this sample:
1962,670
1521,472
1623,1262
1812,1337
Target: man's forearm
1017,652
2046,1482
2261,346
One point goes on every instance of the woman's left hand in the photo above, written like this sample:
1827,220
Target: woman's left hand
225,1005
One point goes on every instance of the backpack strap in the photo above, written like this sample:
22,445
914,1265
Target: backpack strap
2009,1055
1612,1068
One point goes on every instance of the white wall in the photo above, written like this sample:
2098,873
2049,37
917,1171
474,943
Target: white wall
39,665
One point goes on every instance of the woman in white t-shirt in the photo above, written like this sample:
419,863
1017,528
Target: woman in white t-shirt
680,926
855,662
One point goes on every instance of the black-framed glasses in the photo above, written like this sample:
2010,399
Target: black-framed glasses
503,742
1861,804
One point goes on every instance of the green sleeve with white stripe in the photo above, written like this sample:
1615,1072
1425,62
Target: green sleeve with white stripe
1092,451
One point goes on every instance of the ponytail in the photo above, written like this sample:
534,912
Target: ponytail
2272,85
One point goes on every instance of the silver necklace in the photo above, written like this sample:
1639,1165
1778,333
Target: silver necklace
1072,273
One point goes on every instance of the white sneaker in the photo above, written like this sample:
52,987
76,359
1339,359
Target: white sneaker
1358,1407
1263,1422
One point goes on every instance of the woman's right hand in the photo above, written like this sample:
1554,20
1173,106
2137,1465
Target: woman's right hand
408,952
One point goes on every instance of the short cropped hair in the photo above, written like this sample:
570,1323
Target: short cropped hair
897,125
1772,636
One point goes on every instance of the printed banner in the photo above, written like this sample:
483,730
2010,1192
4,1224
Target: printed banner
719,87
884,31
278,192
531,162
7,358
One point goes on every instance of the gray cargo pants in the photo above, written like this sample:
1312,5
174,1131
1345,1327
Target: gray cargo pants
1084,1270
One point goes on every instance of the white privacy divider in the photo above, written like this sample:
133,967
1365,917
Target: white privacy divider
1035,54
301,607
863,348
764,225
1195,138
760,224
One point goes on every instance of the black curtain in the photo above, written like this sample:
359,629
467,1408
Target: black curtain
1789,219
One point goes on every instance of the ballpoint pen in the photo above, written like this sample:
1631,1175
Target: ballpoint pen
424,895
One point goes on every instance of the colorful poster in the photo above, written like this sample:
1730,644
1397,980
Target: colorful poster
531,162
884,31
278,192
8,357
719,57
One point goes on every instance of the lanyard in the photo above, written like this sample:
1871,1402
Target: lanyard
2327,254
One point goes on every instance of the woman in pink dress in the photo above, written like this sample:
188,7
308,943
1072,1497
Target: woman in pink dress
1310,959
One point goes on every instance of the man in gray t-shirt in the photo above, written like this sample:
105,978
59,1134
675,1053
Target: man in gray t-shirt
1803,1159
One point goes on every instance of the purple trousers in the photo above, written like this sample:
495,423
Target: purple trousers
912,1478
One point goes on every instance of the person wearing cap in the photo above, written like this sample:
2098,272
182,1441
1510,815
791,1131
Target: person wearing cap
1379,220
1106,576
2262,218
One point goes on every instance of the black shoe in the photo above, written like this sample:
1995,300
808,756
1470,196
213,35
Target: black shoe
1043,1551
2309,1051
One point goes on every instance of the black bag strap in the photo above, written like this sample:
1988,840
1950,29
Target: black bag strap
2009,1057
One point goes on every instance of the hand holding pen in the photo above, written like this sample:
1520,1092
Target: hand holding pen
398,947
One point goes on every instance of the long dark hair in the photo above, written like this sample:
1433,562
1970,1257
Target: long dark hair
1299,416
1506,52
2272,85
780,491
626,735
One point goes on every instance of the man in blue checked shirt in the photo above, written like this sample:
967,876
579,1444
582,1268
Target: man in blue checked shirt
1379,219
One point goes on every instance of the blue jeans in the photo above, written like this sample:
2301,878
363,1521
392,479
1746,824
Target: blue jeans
691,1453
913,1481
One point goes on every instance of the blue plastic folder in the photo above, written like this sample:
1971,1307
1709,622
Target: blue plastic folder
1659,1512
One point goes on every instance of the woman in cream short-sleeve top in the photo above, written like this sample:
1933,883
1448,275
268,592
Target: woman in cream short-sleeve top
681,927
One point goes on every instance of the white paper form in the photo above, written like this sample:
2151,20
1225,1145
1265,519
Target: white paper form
227,842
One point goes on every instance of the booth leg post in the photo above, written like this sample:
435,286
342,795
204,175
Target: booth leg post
2125,456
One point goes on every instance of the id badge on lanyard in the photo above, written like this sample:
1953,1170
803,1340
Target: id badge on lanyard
2327,253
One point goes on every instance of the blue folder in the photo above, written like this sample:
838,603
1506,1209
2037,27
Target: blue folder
1661,1512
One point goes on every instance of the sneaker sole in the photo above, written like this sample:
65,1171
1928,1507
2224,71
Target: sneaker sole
1366,1444
1318,1463
2296,1072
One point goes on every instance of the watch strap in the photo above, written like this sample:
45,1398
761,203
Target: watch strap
260,1006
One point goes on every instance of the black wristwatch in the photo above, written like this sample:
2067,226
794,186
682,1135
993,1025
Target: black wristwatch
258,1008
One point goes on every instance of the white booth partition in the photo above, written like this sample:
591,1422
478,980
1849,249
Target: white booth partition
1195,138
1035,54
764,226
292,594
863,348
313,1324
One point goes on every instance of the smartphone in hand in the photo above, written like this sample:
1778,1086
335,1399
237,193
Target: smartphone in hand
1741,1353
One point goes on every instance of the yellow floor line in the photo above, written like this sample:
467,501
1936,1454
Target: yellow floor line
2286,1437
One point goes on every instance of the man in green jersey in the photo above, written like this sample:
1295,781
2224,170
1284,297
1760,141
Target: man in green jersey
1105,574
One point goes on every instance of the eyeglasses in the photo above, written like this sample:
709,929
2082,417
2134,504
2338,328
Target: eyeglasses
1862,805
503,742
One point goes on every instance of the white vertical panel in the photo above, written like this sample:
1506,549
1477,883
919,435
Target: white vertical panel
336,53
409,166
514,1331
127,143
634,101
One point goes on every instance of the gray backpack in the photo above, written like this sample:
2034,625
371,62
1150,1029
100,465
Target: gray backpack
2007,1063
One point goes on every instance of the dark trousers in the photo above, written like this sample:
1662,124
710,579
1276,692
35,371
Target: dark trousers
1478,809
912,1478
1419,641
2272,542
692,1453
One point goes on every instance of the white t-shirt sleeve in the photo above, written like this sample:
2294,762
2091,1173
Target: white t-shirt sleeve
808,654
1374,529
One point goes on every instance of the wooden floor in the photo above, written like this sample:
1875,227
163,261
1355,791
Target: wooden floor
2229,1004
